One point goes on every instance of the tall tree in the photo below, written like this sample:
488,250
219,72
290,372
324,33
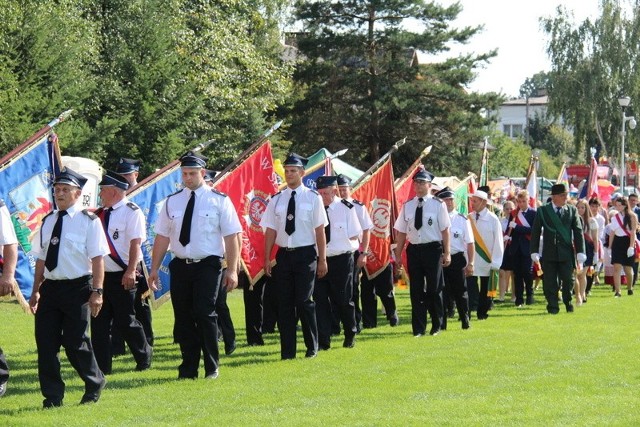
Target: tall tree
44,49
234,53
593,63
363,83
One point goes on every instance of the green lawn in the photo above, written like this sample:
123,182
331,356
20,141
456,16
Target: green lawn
519,367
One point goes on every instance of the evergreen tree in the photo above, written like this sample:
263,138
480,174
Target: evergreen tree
363,86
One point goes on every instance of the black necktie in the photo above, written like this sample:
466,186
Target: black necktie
558,211
185,231
54,244
327,229
290,225
477,216
418,218
105,219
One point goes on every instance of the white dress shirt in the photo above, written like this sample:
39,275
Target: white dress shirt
309,215
435,219
461,233
82,238
214,218
126,223
7,231
345,228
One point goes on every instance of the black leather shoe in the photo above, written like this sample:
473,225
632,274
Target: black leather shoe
95,396
3,388
465,323
213,375
569,308
228,350
143,366
629,291
349,342
311,353
324,347
48,403
394,321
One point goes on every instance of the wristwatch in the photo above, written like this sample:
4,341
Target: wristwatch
99,291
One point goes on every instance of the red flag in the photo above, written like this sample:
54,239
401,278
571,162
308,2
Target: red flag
404,188
249,186
377,195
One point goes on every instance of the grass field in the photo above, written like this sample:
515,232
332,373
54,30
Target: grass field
519,367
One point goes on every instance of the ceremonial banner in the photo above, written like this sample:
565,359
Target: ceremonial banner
563,177
590,188
484,166
532,184
404,189
27,178
150,195
376,194
312,174
250,186
461,195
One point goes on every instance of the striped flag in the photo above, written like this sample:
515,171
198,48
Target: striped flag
532,182
563,177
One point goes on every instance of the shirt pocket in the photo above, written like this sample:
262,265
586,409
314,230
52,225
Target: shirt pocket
340,229
457,233
74,242
175,217
208,220
306,212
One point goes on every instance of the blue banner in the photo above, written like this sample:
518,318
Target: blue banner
151,197
27,191
309,180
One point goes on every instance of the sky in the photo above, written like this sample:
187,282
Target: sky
512,27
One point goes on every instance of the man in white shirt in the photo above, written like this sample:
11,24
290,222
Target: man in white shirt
294,220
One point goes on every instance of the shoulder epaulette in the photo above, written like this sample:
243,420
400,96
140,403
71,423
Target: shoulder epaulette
346,203
437,199
177,192
274,195
133,206
1,203
314,191
47,216
89,214
463,216
218,192
357,202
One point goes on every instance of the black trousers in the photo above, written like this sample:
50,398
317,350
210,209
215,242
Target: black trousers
427,281
269,307
355,294
4,368
62,319
557,275
143,315
380,286
523,281
253,307
294,276
225,324
455,288
118,308
194,290
335,288
484,301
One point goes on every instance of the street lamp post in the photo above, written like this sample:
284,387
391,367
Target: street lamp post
624,102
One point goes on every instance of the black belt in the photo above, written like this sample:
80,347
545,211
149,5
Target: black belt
434,243
299,248
457,254
78,281
342,254
195,260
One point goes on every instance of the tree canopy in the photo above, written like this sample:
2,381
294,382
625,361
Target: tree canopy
363,86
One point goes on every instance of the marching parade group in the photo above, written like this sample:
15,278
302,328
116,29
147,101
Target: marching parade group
89,274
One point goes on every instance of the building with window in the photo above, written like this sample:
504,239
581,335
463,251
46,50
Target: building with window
513,114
